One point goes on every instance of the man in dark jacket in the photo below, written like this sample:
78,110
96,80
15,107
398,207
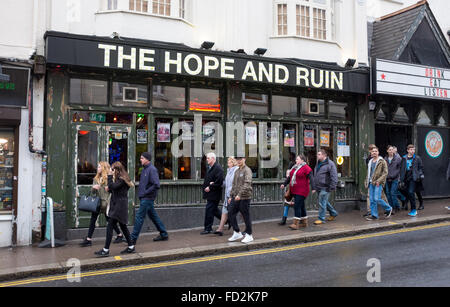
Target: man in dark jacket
212,192
324,181
394,162
411,175
147,192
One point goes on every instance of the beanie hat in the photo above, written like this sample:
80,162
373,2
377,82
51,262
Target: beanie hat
147,156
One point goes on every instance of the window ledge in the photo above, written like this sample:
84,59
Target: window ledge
144,14
306,38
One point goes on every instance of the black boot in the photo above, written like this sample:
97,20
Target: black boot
283,221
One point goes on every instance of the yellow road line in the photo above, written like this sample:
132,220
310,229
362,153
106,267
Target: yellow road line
222,257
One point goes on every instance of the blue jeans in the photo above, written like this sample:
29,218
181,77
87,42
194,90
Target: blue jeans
392,192
411,186
325,205
147,206
375,200
299,207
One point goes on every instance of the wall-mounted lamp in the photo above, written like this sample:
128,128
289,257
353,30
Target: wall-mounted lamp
239,51
260,51
372,105
350,63
115,35
207,45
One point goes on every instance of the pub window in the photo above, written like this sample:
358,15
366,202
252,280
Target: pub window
285,106
255,103
326,141
206,100
129,95
313,107
343,150
339,110
141,141
289,146
88,92
251,147
169,97
424,117
401,116
310,144
87,147
272,136
186,163
163,144
209,141
444,118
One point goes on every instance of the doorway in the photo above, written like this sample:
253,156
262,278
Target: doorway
395,135
92,143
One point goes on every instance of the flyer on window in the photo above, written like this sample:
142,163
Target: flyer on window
289,138
342,138
163,132
325,138
309,138
251,135
141,136
272,136
187,131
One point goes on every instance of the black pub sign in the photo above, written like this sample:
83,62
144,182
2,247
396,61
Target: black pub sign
14,92
158,57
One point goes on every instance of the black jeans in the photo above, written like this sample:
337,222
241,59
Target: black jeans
211,211
299,206
242,206
112,223
411,194
94,218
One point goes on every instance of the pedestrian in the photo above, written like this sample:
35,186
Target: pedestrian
377,174
240,197
228,184
448,170
118,185
147,193
100,189
212,192
371,147
299,183
410,176
400,192
394,163
324,182
287,204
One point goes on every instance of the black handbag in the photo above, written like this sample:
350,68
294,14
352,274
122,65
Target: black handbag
89,203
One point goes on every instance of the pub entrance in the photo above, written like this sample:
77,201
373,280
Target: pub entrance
397,135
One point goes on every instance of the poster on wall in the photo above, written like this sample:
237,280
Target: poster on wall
251,136
141,136
289,138
324,138
309,138
342,138
163,133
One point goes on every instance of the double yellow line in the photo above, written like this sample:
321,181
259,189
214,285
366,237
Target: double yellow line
222,257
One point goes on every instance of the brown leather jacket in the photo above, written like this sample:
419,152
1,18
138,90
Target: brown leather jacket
242,183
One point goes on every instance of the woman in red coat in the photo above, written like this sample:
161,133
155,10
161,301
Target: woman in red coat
299,181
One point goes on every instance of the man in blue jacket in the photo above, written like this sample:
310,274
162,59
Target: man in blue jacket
147,192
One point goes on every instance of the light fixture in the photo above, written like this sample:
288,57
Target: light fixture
239,51
115,35
207,45
260,51
350,63
3,77
3,141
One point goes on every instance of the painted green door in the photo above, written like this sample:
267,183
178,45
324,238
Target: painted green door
92,143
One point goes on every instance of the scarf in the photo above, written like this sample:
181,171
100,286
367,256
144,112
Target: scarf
294,176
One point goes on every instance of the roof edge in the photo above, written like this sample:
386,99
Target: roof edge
411,7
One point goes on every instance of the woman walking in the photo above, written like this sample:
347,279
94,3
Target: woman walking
118,184
100,189
299,183
228,183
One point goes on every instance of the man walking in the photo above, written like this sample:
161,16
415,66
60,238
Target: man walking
376,179
212,192
324,181
240,197
394,163
410,175
147,192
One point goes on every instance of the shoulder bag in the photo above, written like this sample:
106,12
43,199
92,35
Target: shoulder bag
89,203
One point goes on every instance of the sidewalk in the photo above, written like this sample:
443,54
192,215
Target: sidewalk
31,261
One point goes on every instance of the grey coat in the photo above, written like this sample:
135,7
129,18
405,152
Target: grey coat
325,178
394,168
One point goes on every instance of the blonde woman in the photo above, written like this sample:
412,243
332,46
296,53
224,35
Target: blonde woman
100,188
228,183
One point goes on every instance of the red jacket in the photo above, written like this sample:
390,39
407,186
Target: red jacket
301,186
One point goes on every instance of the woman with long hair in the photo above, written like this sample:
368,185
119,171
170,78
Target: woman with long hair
299,183
100,189
118,184
228,183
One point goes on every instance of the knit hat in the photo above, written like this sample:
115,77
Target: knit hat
147,156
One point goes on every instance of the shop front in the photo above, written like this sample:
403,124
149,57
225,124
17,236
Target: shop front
110,100
13,96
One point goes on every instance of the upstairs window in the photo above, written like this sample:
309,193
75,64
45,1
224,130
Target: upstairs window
182,9
139,5
158,7
161,7
282,19
303,21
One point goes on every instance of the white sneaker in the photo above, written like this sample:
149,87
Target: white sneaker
247,239
236,236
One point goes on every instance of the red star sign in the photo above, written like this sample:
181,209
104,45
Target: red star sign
383,77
